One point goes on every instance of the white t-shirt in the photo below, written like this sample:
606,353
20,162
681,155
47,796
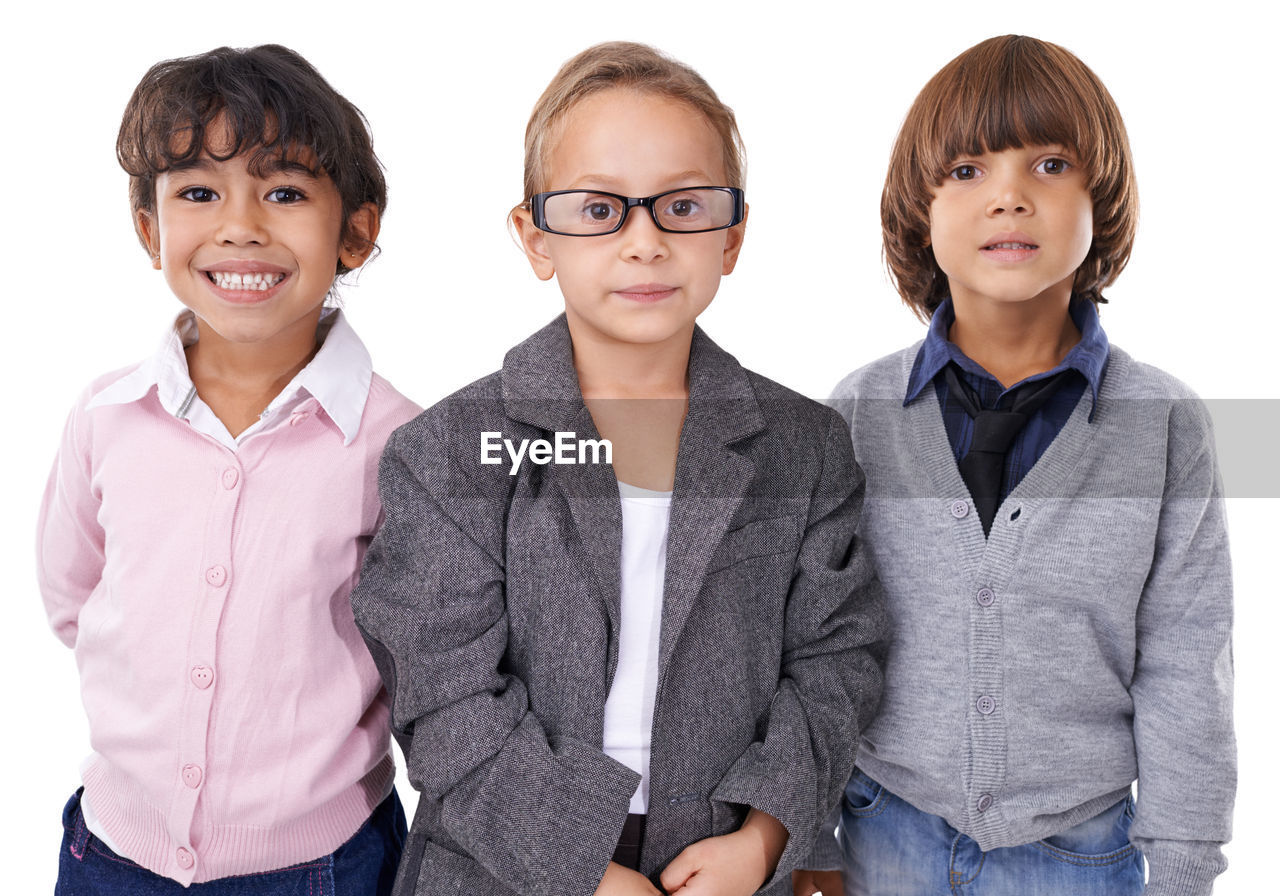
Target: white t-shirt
628,711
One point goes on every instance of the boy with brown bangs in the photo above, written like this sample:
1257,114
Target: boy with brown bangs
1046,518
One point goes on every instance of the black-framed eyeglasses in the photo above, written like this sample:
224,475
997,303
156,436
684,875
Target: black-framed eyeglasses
596,213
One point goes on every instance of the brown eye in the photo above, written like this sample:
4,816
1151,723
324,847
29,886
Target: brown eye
198,194
964,172
1054,166
285,195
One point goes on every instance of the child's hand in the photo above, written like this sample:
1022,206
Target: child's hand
622,881
735,864
806,883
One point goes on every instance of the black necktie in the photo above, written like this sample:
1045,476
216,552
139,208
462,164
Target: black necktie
994,430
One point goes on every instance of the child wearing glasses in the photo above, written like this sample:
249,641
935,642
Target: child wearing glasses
1046,516
641,661
209,507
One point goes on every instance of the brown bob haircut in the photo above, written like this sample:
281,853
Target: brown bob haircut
1004,93
629,66
274,104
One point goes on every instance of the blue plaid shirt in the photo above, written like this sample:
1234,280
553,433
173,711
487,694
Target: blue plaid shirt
1088,358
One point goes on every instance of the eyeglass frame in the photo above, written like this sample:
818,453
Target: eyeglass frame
537,207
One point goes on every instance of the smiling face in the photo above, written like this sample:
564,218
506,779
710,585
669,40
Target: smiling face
640,284
1012,226
252,250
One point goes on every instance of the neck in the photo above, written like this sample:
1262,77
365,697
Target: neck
256,371
1015,340
608,368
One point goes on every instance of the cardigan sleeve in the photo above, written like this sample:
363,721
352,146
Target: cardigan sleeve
830,681
70,541
542,814
1182,686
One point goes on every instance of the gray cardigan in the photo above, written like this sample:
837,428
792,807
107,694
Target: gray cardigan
490,603
1033,675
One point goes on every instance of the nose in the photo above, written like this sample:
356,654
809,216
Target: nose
642,241
240,222
1009,195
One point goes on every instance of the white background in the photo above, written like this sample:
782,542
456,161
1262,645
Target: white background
819,89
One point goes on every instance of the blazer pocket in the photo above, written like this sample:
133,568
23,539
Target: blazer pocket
758,538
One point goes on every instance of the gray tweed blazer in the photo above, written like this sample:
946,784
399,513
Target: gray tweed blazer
490,603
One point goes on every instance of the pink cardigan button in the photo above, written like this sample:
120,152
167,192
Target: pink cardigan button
201,676
185,859
192,776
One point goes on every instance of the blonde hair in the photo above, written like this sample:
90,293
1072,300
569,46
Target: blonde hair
1007,92
621,64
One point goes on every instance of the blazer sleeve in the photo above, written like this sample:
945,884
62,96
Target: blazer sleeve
830,680
70,541
541,814
1182,685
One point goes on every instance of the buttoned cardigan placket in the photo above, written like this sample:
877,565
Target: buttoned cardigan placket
215,579
987,565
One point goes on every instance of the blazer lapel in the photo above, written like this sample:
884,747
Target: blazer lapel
591,492
712,480
540,388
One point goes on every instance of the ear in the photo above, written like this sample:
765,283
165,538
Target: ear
533,241
362,233
733,243
145,225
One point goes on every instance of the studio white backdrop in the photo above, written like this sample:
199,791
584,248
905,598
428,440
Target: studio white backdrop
819,89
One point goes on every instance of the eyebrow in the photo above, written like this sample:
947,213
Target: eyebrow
690,178
189,165
285,166
258,168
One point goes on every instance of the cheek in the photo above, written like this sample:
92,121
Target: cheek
943,235
709,251
569,260
1083,237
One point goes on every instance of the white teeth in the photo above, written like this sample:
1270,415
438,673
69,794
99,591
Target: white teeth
256,281
1011,246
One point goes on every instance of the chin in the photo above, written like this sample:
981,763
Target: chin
643,335
640,329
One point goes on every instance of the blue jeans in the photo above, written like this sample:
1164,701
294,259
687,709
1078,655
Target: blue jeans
892,848
363,866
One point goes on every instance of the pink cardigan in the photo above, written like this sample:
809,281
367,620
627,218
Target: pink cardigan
237,721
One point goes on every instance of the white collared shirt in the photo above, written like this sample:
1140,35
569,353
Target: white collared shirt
337,377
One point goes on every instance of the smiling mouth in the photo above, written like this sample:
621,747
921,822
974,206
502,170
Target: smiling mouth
249,282
1010,246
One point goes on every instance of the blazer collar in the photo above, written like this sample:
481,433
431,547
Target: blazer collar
540,386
